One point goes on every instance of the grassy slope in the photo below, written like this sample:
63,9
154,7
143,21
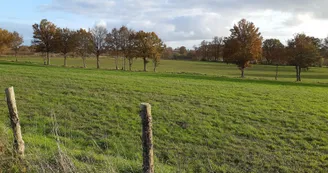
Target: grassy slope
201,123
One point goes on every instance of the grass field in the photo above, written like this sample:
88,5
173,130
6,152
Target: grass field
286,73
202,122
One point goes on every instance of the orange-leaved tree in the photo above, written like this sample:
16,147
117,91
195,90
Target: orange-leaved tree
243,45
6,39
303,52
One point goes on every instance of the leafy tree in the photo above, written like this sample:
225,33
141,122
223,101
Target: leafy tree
156,50
303,52
168,53
44,37
183,50
274,52
16,42
142,42
99,34
113,44
243,45
84,42
216,47
65,42
149,46
6,38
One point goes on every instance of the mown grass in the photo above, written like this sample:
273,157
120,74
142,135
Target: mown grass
202,123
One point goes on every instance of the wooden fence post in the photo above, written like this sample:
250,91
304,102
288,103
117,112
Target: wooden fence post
14,119
147,138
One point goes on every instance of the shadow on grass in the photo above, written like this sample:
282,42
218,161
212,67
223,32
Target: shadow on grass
181,75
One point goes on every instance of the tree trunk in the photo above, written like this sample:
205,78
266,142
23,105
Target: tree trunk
145,64
116,62
48,59
276,72
65,60
154,68
16,56
98,65
130,64
84,64
299,73
242,72
124,63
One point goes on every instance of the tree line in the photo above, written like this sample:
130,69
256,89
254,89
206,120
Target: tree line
10,41
244,46
97,41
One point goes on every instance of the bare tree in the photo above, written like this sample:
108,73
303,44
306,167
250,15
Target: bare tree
113,44
84,44
16,42
99,34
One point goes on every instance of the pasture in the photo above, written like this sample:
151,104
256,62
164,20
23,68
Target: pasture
205,118
260,72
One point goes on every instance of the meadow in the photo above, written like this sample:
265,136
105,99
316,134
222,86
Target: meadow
206,119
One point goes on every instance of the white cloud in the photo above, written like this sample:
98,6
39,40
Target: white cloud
189,21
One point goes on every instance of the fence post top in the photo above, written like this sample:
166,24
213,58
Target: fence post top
9,88
145,105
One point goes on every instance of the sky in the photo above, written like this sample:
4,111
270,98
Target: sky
176,22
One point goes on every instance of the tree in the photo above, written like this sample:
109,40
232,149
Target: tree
44,37
243,45
143,46
6,39
113,44
149,46
99,34
303,52
217,44
274,52
16,42
168,53
131,48
156,49
84,44
183,50
65,42
124,34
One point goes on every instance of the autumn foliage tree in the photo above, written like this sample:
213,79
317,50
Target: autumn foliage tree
44,37
6,39
149,46
84,44
303,52
243,45
65,42
274,53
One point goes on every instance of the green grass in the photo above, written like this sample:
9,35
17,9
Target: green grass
260,72
202,123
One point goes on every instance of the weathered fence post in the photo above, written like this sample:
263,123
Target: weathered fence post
147,138
14,119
